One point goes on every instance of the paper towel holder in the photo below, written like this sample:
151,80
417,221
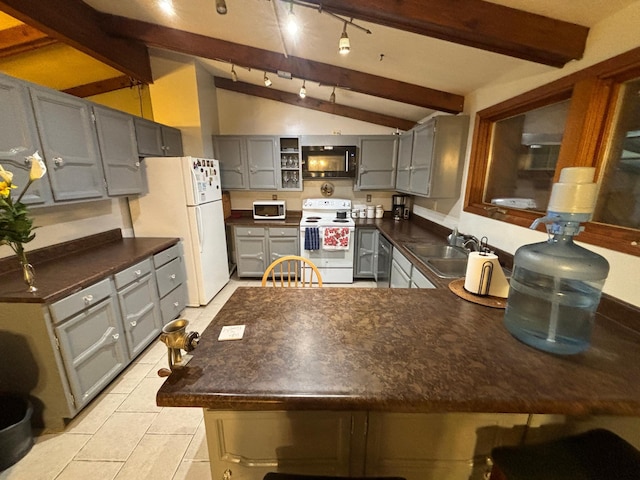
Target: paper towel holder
485,278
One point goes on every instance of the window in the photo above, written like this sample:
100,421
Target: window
590,118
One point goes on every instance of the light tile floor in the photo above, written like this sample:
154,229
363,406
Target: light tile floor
122,434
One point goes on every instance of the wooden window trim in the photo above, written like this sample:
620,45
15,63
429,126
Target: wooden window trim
593,92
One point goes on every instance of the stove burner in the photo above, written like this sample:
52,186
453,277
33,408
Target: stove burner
340,220
313,218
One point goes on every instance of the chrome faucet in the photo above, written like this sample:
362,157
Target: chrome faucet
471,243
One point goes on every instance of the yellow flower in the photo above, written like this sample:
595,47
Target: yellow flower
38,168
5,175
5,189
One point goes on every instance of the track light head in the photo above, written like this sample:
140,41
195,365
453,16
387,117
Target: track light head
221,7
234,75
267,81
344,46
332,97
303,90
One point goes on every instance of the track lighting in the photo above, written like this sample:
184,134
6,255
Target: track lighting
344,46
234,75
303,90
292,23
332,97
267,82
221,7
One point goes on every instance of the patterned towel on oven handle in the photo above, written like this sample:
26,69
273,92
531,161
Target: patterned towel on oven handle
312,238
335,238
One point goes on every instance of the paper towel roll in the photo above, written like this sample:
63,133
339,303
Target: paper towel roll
484,275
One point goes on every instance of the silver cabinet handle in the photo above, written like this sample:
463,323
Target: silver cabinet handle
176,304
58,161
137,272
87,299
116,336
137,164
134,323
173,276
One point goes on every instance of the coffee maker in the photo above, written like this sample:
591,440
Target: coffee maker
400,206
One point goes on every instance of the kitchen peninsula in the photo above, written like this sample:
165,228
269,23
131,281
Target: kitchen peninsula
370,352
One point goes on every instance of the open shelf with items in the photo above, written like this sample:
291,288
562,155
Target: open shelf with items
290,164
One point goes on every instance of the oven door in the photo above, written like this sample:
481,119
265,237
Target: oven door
335,266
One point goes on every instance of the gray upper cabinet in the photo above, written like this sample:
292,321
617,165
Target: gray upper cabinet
69,144
157,140
247,162
117,140
432,165
19,139
377,163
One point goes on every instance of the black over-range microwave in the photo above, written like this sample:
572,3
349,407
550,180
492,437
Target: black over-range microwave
329,161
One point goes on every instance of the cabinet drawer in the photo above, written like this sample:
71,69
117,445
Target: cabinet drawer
85,298
173,304
418,280
250,231
402,261
283,232
169,276
166,256
139,270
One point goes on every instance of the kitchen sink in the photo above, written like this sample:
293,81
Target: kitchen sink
446,261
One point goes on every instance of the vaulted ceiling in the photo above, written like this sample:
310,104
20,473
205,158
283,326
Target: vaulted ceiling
420,57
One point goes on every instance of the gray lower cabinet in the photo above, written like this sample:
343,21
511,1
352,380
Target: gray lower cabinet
19,139
418,280
119,151
257,247
364,259
377,162
416,446
170,277
89,336
69,145
405,275
157,140
139,305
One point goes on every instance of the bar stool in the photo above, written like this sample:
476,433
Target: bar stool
293,476
594,455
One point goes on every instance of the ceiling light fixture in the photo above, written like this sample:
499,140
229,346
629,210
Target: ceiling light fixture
303,90
267,82
292,22
221,7
234,75
332,97
344,46
167,7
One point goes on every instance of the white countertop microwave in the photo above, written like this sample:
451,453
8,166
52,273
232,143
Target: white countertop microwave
269,210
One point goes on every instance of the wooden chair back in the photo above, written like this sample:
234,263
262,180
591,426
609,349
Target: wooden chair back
290,271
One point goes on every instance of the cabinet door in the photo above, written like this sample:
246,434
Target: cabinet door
399,278
171,141
19,139
69,144
366,239
141,315
250,444
403,174
119,151
421,158
261,162
377,165
251,248
149,138
418,280
230,152
93,350
283,241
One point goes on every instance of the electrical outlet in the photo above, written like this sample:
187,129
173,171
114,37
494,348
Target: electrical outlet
368,198
274,197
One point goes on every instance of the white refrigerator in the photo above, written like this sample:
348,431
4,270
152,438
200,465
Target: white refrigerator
184,200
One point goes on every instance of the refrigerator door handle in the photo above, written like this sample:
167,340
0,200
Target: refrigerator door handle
200,228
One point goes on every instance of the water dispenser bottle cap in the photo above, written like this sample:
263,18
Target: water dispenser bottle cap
575,191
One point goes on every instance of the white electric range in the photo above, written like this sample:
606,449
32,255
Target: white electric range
327,236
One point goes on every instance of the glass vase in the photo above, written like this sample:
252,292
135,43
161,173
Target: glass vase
29,276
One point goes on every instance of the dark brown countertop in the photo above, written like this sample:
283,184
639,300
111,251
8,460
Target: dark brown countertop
71,266
404,350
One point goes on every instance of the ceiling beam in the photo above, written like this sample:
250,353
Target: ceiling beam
77,24
21,39
314,104
475,23
102,86
259,59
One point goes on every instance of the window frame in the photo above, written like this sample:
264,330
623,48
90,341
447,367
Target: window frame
594,94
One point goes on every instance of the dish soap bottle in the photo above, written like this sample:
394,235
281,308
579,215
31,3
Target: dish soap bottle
556,285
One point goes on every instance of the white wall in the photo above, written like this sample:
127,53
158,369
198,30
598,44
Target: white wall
611,37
